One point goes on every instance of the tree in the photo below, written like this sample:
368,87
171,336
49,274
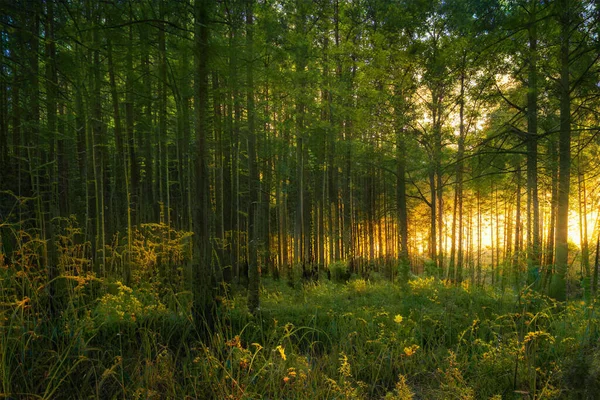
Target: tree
203,271
253,179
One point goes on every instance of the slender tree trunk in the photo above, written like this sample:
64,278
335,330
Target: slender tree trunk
596,267
479,236
533,214
433,225
203,272
62,159
17,140
146,136
98,153
517,247
51,118
459,177
253,179
494,239
132,161
401,187
120,169
302,234
220,202
162,167
3,119
266,184
558,284
508,257
235,118
583,229
549,262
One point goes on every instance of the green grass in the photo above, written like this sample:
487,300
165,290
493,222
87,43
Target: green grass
363,340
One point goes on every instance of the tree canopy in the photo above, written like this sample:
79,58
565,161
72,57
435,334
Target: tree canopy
453,138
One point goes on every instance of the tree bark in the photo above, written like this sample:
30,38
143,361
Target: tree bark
558,284
533,214
253,179
203,307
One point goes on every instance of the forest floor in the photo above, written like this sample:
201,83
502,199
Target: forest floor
318,340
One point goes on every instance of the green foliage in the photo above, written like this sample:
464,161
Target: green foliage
401,391
303,135
339,272
453,383
127,305
157,253
361,340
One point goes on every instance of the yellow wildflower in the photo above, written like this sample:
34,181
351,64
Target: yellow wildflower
235,342
258,346
409,351
281,351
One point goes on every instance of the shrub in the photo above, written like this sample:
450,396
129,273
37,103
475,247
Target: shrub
339,272
401,391
127,305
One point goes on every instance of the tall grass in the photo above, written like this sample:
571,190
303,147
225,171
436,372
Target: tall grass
356,340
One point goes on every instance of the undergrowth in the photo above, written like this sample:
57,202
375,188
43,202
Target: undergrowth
329,340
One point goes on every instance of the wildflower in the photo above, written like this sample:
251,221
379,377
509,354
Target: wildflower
258,346
23,303
409,351
288,327
281,351
465,286
286,379
344,366
235,342
530,336
398,319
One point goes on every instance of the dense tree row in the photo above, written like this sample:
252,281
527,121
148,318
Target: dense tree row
448,136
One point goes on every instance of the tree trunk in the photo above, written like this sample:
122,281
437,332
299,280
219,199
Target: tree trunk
120,169
49,198
459,178
253,179
516,268
401,210
549,261
433,225
583,230
558,284
132,162
533,214
146,136
203,272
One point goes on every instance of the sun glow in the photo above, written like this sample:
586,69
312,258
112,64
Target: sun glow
574,226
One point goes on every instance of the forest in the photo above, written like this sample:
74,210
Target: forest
298,199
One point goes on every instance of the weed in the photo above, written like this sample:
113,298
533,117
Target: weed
328,339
